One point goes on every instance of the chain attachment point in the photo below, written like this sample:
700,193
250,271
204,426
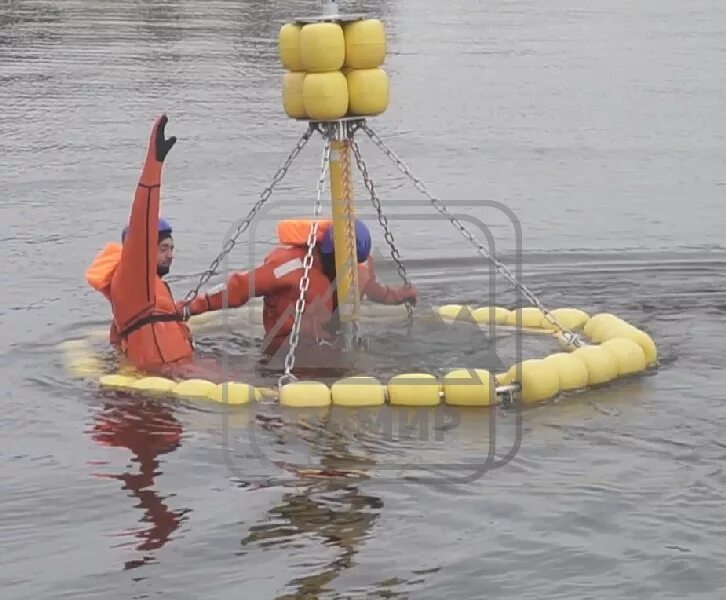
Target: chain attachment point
242,227
437,204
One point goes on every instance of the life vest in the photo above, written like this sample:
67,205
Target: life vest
150,337
295,232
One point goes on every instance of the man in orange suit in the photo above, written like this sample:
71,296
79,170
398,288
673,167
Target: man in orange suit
278,278
146,325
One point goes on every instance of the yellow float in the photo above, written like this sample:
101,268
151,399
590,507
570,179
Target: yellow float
334,67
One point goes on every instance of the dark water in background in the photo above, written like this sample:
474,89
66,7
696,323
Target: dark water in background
596,124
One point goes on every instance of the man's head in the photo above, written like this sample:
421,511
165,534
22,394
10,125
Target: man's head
363,240
165,247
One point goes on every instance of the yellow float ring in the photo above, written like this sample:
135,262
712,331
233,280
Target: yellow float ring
625,351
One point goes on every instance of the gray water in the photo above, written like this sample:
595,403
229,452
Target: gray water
597,129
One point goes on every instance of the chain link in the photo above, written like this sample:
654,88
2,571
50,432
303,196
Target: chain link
242,227
383,220
570,336
307,264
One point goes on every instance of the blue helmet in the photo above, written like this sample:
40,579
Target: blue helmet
362,238
164,228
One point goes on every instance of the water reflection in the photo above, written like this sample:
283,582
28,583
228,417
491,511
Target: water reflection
330,505
148,429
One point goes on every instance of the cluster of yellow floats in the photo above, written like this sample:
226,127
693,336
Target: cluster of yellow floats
618,350
333,70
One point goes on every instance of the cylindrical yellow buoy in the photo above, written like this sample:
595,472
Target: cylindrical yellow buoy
597,321
569,318
647,344
305,394
325,95
601,365
86,366
571,370
194,389
610,329
414,389
539,380
288,43
493,314
368,90
116,381
531,317
233,392
628,355
365,44
469,387
292,95
322,47
154,385
358,391
451,312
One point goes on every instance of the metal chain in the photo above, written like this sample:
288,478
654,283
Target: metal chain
571,337
307,264
242,227
383,220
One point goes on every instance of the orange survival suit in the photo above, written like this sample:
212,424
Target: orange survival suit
277,280
146,324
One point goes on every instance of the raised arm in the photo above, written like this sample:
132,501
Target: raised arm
136,273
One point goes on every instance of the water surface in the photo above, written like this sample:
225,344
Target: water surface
595,128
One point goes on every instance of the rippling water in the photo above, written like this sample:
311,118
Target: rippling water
596,128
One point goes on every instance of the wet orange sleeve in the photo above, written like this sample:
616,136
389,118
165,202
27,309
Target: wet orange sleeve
136,273
240,287
370,287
